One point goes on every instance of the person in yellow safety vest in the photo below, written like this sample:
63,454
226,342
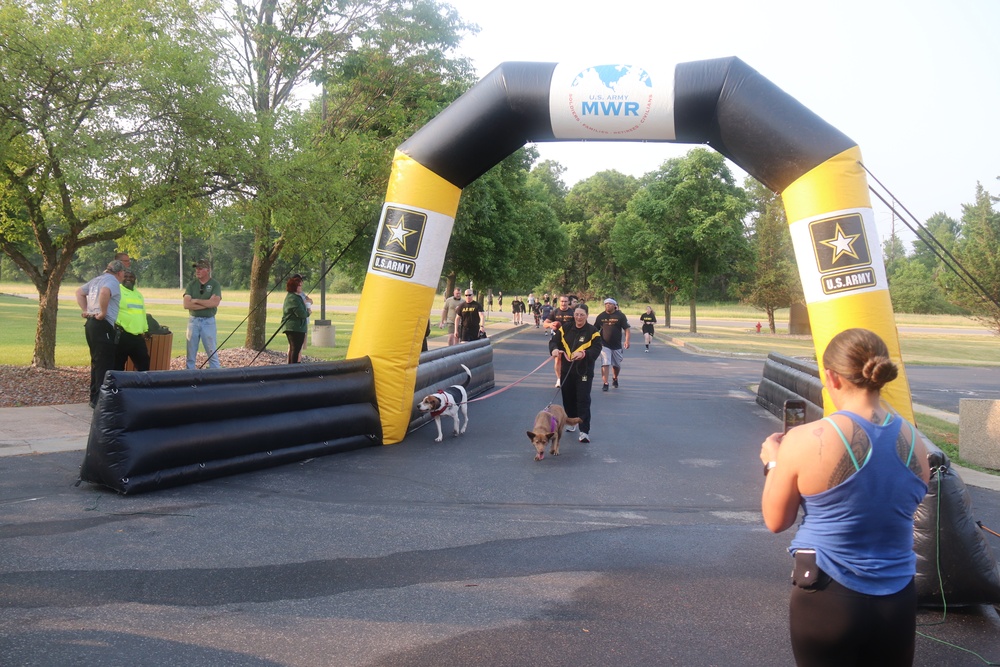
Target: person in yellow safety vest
132,327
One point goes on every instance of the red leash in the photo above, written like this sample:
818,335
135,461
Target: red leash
500,391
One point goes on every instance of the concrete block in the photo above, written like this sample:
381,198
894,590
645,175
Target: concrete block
979,431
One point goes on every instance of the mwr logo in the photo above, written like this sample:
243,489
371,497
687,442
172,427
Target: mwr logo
613,100
399,241
840,243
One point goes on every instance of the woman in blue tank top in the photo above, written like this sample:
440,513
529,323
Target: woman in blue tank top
858,476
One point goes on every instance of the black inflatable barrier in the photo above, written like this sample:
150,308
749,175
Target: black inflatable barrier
947,539
442,368
786,378
155,430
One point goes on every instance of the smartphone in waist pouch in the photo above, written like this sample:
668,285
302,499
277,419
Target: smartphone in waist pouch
806,573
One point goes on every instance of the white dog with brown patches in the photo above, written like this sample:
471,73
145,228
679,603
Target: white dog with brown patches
450,402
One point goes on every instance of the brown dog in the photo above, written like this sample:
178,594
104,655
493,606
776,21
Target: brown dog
549,426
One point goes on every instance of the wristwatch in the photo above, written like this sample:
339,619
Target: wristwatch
768,466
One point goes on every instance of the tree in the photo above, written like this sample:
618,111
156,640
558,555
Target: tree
774,280
276,46
686,220
502,235
912,289
942,228
976,251
591,208
108,112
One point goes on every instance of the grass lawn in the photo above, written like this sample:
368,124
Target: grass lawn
19,315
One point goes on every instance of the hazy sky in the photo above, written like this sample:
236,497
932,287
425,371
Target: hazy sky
916,84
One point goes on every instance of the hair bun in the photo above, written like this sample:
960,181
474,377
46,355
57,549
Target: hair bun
878,371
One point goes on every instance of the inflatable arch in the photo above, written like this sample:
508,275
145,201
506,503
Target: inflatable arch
723,103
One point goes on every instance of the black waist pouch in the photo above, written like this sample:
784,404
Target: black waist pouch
806,573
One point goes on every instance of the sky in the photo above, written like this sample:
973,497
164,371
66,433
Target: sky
915,84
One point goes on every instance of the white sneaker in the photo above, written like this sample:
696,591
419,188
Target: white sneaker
571,428
584,437
558,384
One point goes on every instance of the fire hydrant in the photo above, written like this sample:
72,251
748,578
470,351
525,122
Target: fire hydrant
758,327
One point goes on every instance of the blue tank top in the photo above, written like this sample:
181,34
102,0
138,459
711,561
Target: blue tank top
862,529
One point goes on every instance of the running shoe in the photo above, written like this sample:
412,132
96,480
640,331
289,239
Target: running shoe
614,383
605,387
584,437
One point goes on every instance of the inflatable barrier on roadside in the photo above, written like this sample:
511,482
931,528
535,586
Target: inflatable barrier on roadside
785,378
155,430
442,368
946,538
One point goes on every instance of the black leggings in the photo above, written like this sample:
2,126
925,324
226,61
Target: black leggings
296,339
838,626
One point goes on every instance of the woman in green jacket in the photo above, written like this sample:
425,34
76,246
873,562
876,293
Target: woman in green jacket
296,318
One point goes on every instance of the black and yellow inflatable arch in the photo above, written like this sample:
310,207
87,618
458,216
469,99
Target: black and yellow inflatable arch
723,103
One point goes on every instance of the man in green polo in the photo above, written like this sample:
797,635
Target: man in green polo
132,326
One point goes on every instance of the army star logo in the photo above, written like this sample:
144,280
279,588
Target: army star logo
842,244
398,234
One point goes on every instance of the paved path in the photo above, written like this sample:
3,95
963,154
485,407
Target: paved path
642,548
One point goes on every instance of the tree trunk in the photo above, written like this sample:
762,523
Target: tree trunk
264,256
450,284
693,326
44,355
668,298
770,320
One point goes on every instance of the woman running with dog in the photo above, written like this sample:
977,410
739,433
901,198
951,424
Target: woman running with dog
578,345
858,475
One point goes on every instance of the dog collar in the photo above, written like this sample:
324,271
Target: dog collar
445,401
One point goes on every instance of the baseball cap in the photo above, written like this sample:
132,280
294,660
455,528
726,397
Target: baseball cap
610,300
202,264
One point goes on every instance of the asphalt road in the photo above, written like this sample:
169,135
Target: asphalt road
642,548
942,387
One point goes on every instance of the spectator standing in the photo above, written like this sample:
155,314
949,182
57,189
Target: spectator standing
124,259
559,317
517,308
615,334
469,320
451,306
499,301
648,319
578,345
858,476
201,300
133,327
295,315
99,300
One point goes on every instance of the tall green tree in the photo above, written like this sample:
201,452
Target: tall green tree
944,229
976,250
502,235
279,45
688,221
109,111
773,281
592,205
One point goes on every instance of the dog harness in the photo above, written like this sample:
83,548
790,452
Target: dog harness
447,400
552,420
